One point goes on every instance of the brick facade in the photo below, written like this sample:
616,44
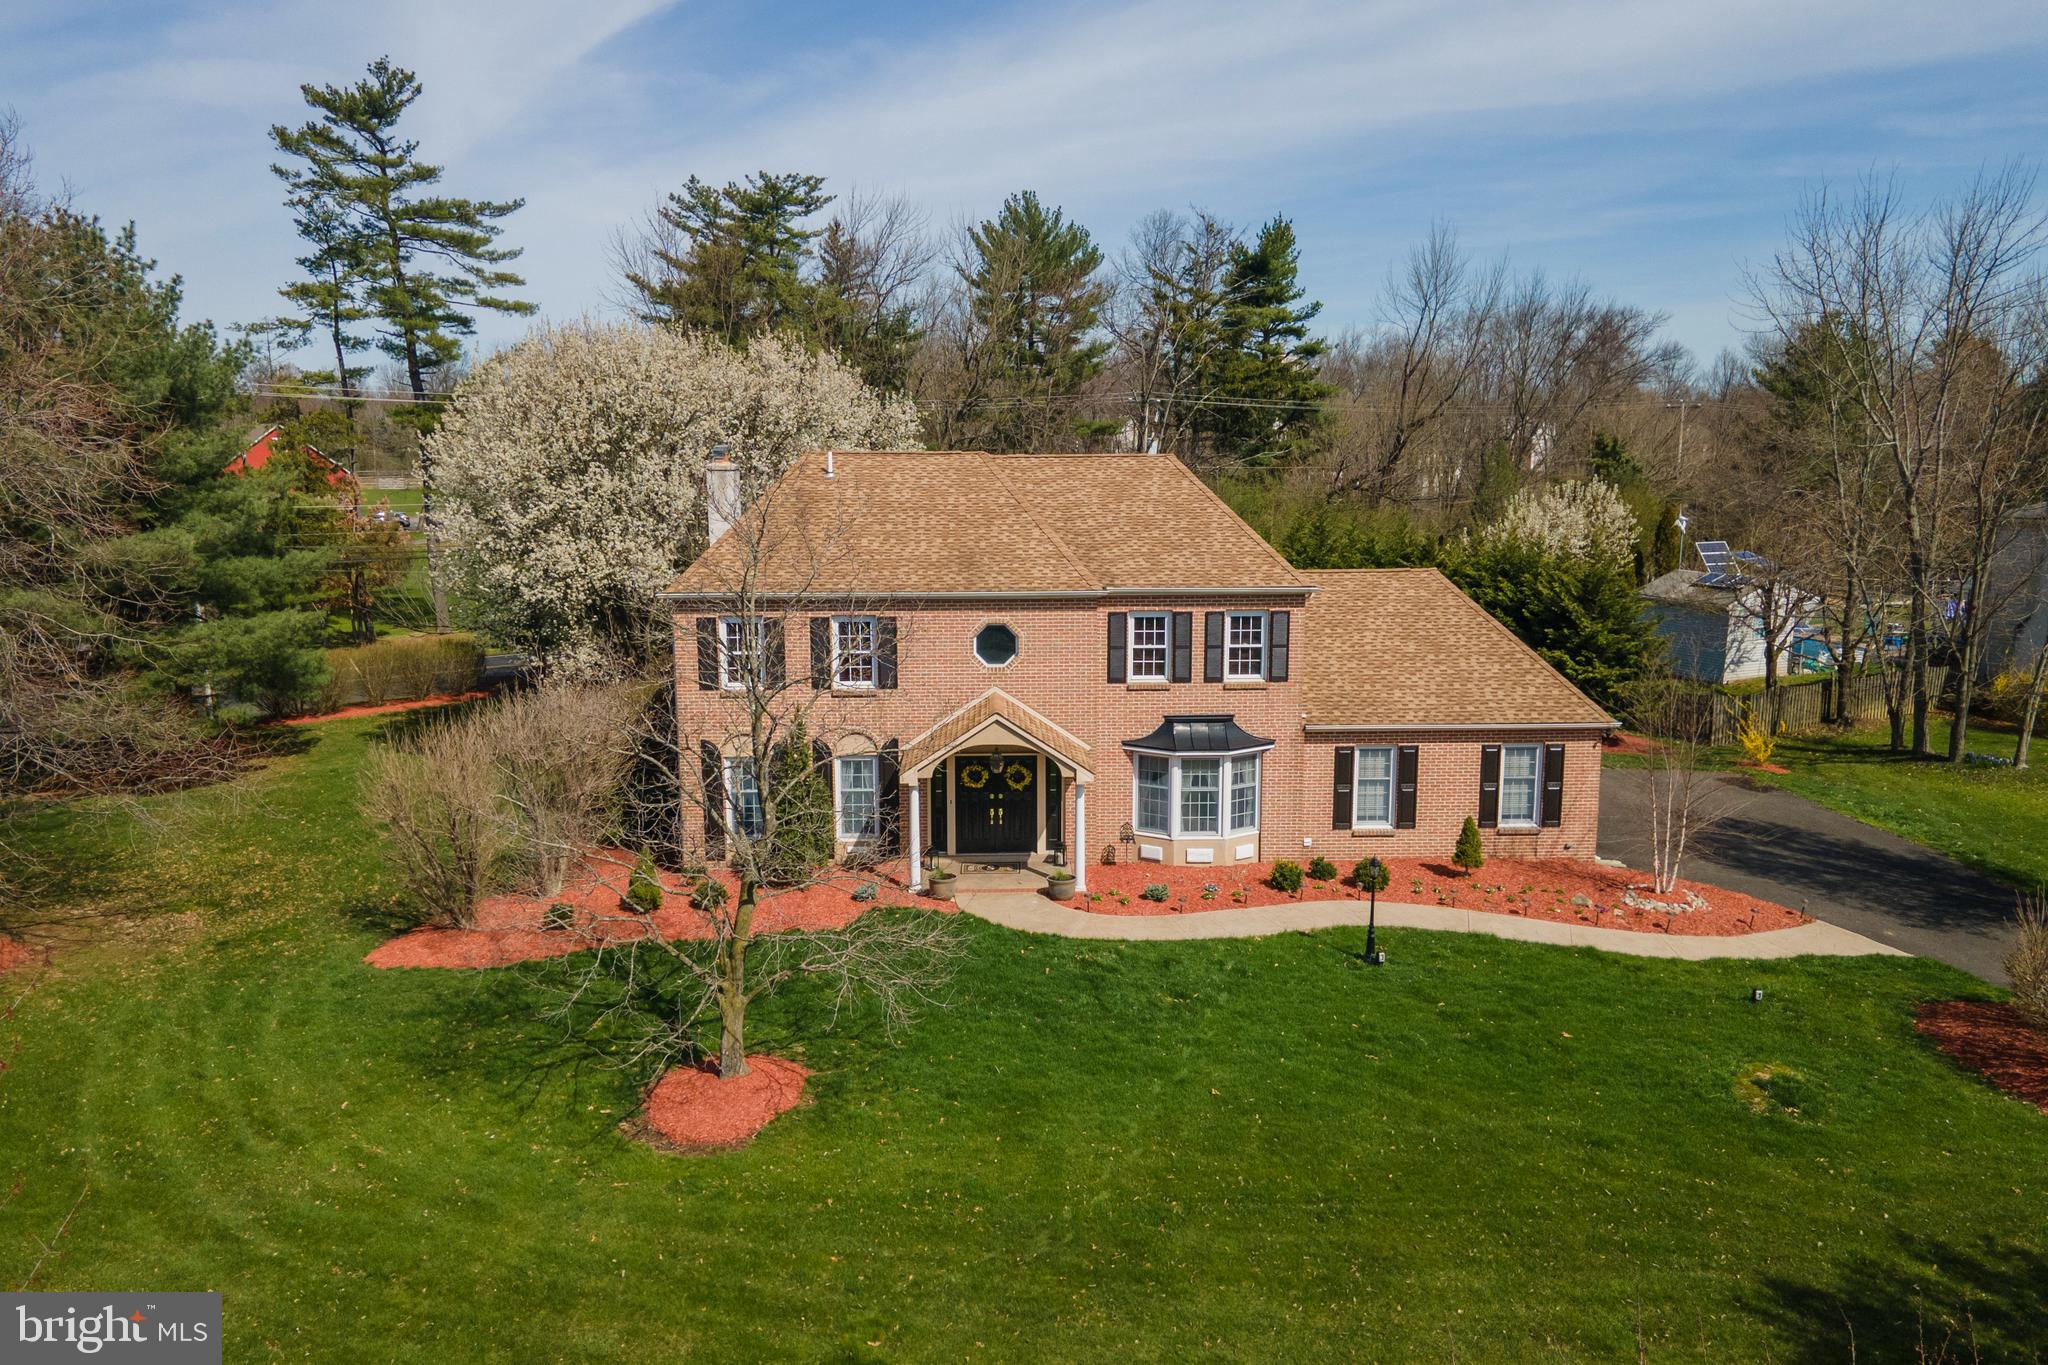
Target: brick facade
1060,670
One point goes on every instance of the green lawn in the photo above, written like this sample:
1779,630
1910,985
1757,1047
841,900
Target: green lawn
1993,818
1486,1150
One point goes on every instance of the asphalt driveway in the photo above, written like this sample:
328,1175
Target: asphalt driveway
1785,848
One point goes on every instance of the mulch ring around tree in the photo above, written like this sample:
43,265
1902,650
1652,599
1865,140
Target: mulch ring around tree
1567,890
383,708
519,928
1994,1040
691,1111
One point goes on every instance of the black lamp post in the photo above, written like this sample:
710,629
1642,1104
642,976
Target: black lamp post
1375,878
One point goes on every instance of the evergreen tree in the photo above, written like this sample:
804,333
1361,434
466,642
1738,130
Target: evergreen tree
738,267
1037,302
1612,463
428,261
329,298
1263,393
1185,298
853,315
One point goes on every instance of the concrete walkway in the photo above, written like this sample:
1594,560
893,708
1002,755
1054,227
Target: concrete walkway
1035,914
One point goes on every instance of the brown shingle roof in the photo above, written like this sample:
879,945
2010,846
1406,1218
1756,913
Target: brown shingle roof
967,521
1404,647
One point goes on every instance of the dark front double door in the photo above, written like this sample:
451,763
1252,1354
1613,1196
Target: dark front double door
995,804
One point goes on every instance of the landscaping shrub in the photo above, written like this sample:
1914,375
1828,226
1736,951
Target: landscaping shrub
1371,875
805,839
866,891
449,837
1157,891
559,916
1286,876
1321,869
2005,698
1470,853
708,895
2027,960
401,668
1755,737
561,755
643,888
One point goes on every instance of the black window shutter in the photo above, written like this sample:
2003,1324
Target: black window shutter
1404,789
1276,668
821,652
887,796
714,800
885,651
777,650
1340,790
1212,647
1055,810
937,793
1119,622
707,653
1489,785
1183,645
1553,784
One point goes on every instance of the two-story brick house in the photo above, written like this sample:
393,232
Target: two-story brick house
1042,656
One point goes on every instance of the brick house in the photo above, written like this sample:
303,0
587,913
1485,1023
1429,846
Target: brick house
1041,657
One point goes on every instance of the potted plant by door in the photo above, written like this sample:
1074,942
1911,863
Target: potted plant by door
939,884
1059,883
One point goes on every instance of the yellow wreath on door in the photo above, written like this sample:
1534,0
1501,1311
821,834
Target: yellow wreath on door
1018,776
974,777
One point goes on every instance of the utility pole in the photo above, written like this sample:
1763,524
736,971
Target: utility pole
1682,405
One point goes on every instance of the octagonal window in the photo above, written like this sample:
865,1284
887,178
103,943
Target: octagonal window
995,644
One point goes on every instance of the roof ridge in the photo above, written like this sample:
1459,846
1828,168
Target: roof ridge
1031,514
1231,512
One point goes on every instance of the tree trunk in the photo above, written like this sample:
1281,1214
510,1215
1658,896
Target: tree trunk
732,984
2032,712
1959,731
1916,661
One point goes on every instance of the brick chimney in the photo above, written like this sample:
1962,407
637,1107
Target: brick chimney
721,493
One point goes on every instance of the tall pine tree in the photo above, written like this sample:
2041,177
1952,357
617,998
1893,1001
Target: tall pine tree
1263,395
1036,300
429,261
736,267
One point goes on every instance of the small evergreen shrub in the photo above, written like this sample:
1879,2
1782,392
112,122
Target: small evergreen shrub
1157,891
558,917
708,894
1371,875
866,891
1286,876
1321,869
1470,854
643,889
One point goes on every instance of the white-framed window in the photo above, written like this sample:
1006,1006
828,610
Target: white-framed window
853,651
1244,793
743,798
1149,645
1521,783
1154,801
1244,646
1200,810
1190,796
1372,788
857,793
739,649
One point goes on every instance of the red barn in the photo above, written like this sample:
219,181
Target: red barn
263,447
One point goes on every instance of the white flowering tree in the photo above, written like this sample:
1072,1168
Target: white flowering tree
1587,521
570,471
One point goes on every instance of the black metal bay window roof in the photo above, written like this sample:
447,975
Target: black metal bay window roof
1199,735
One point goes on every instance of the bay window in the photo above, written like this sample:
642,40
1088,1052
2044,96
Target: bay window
1244,793
1152,804
1372,789
1200,812
1183,797
1521,783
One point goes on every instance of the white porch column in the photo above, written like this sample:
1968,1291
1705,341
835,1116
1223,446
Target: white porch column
915,848
1080,838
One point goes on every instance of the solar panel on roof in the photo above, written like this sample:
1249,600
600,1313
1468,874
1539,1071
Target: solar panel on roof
1713,555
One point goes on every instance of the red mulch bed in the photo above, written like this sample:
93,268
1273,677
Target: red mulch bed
690,1109
385,709
1621,742
14,953
1535,888
1993,1040
508,928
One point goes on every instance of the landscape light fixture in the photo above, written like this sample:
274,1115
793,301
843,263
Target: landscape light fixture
1756,995
1374,871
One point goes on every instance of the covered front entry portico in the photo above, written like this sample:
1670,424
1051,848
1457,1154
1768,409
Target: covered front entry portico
989,783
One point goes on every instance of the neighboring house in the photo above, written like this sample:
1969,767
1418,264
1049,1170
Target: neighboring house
2018,630
264,447
1713,633
1046,656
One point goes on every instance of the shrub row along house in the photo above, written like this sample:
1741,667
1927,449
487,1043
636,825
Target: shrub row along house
1072,658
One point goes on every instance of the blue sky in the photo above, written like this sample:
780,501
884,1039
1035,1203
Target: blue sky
1654,149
